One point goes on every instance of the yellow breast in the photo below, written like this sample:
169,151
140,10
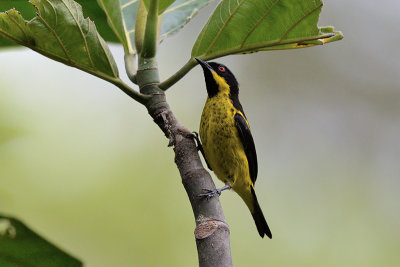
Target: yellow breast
222,146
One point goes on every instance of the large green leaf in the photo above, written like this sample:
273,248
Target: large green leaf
122,17
245,26
20,246
178,14
59,31
90,9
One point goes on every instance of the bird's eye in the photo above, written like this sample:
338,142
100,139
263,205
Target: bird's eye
221,68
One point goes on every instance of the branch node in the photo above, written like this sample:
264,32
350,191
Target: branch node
207,228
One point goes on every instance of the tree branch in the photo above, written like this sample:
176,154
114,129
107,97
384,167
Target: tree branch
212,231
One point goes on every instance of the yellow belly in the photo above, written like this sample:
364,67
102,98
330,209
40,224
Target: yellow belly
222,146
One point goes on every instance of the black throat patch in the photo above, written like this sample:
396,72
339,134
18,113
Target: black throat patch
211,84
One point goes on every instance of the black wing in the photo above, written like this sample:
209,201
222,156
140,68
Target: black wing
248,144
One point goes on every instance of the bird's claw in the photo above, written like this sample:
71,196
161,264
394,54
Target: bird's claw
210,193
199,147
195,136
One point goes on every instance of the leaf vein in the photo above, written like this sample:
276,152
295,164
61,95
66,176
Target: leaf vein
300,20
19,26
220,16
259,46
258,22
201,37
81,32
54,10
111,23
224,25
56,36
107,56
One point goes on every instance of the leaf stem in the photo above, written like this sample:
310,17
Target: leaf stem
178,75
140,26
150,35
141,98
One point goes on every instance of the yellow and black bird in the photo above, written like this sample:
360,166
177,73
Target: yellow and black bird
227,143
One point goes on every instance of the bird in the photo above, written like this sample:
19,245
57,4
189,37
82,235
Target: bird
226,143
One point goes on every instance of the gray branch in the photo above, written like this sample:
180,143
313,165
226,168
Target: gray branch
212,231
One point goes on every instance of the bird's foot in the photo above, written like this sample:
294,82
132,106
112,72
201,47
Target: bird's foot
195,136
210,193
199,147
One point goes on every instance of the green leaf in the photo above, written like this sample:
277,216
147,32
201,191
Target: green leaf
20,246
90,9
23,6
162,5
179,14
246,26
121,17
60,32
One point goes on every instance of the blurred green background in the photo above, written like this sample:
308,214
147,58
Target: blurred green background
86,167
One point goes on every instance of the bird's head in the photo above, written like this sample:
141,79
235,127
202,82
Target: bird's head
219,79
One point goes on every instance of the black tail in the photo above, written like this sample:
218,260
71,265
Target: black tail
259,219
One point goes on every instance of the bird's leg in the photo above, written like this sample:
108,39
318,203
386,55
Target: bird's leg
198,142
212,193
200,148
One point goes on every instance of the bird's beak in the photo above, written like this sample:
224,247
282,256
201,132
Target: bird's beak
211,84
206,67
